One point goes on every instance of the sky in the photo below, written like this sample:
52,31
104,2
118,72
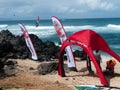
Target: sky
65,9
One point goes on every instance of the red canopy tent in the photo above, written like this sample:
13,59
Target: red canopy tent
89,41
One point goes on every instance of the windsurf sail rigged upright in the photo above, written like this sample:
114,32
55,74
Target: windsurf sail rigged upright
62,34
28,41
37,21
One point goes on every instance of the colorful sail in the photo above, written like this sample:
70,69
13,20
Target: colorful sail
62,34
28,42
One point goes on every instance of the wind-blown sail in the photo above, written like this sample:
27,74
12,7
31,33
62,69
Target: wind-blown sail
28,42
37,21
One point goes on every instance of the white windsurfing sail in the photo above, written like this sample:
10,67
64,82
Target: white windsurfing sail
62,34
28,42
37,21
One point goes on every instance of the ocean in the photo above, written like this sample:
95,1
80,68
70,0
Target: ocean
108,28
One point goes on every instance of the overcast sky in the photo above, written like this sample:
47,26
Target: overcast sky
30,9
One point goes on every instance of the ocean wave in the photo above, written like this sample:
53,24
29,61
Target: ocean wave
3,25
78,28
113,26
39,27
84,26
52,27
50,30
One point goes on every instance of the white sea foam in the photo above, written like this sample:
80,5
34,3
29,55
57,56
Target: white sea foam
114,26
3,25
83,27
39,27
44,31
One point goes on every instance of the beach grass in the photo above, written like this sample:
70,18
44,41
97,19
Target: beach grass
7,87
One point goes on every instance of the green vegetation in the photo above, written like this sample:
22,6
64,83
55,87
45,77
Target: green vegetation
7,87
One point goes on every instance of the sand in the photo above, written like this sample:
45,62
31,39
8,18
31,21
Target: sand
26,79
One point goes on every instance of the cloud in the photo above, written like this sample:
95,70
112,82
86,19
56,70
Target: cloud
46,8
97,4
84,6
104,5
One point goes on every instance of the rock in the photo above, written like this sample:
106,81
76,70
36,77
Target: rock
57,82
31,68
45,68
80,54
10,68
15,47
50,67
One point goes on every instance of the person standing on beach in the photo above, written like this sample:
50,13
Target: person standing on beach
98,57
89,67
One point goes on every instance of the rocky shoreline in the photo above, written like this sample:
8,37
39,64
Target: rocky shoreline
14,47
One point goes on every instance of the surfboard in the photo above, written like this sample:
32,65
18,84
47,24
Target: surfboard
28,41
62,35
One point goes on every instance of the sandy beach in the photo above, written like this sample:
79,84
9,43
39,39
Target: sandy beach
26,79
